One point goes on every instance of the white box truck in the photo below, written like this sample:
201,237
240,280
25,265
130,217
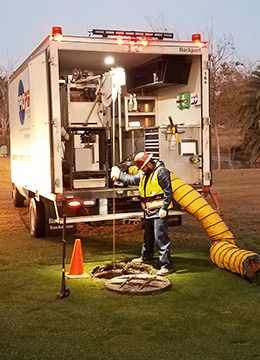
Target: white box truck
79,105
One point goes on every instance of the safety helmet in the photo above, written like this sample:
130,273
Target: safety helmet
141,159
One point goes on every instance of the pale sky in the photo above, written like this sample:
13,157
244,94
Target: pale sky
24,24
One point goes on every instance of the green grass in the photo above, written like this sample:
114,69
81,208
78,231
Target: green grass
208,314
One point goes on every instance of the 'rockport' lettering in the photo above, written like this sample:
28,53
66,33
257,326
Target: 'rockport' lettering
189,50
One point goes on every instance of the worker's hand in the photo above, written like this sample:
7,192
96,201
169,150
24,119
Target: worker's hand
115,172
162,213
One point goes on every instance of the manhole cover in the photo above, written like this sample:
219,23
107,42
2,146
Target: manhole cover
138,284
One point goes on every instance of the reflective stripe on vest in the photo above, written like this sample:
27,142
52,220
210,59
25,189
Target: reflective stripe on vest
152,194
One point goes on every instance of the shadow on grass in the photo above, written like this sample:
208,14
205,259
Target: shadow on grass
191,264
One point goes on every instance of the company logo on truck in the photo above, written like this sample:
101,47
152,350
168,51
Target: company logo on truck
23,101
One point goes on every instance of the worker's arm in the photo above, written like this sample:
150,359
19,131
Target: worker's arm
127,179
164,181
130,179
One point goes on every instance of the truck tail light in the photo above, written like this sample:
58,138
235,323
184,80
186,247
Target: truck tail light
74,204
207,188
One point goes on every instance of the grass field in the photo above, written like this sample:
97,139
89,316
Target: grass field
208,314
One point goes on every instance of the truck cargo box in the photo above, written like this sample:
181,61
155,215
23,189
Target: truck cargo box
79,105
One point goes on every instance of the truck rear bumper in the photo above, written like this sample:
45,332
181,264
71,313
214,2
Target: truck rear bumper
109,217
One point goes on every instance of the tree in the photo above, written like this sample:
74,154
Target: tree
249,116
227,101
4,123
221,53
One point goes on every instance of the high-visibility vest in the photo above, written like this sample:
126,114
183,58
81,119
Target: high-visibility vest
152,194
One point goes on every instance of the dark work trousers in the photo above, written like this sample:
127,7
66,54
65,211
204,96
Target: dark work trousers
155,231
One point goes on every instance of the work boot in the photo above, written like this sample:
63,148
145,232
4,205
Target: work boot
141,261
164,272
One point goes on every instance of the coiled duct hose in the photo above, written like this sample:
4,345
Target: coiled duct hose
223,251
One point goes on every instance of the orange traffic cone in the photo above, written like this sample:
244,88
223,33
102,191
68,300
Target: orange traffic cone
76,270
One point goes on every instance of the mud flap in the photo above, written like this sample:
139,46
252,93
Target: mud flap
52,228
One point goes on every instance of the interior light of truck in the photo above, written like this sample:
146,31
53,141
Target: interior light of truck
75,204
134,124
109,60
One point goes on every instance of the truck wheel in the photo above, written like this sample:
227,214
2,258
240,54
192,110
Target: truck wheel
18,198
37,218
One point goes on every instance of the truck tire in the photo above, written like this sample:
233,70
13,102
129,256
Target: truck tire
37,218
18,198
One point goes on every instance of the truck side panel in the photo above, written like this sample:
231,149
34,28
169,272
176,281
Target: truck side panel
40,125
30,128
55,118
20,127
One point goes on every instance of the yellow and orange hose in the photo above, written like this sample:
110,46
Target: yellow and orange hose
223,251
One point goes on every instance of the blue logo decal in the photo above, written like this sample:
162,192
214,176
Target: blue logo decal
23,101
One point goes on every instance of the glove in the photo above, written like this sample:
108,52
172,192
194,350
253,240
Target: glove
132,170
162,213
115,172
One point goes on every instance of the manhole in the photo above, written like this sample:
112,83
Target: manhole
110,271
138,284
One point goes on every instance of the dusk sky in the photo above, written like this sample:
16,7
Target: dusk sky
24,24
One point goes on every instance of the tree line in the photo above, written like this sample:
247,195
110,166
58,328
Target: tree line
235,103
4,121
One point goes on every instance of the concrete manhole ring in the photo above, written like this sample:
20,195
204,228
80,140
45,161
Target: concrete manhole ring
138,284
111,270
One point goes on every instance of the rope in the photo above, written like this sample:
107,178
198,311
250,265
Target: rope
114,190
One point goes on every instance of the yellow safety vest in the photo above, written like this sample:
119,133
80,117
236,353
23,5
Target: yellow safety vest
152,194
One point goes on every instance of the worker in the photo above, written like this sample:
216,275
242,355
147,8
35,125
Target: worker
156,199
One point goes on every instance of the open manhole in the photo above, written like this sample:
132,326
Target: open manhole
138,284
110,271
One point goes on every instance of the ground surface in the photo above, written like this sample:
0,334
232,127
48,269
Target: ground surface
208,314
